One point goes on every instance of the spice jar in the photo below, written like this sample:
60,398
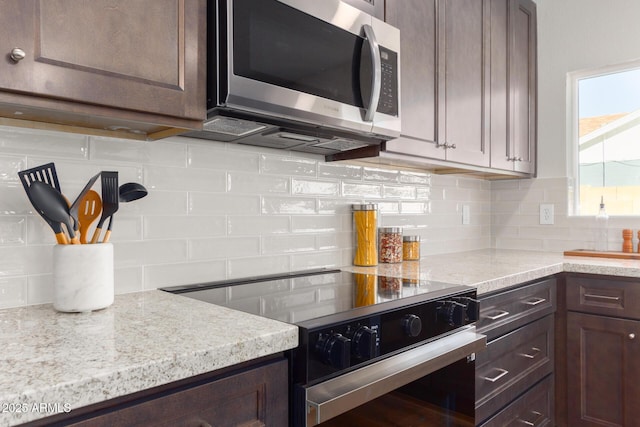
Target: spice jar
411,248
365,219
390,244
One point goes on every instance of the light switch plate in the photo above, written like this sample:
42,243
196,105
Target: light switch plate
546,214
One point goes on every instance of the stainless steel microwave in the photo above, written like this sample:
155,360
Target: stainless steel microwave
305,75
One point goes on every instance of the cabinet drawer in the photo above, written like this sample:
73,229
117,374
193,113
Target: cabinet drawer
611,297
256,397
511,364
534,408
506,311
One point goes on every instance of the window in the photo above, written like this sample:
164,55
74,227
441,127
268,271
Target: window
607,140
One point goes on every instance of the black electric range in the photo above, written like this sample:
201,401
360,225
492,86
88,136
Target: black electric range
346,320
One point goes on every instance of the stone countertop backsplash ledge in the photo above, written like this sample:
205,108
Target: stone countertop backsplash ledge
143,340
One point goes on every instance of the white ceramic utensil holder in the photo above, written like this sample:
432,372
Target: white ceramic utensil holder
82,277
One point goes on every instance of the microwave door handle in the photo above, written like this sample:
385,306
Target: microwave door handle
376,80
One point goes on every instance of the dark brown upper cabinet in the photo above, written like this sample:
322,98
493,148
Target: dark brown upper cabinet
121,68
444,90
513,85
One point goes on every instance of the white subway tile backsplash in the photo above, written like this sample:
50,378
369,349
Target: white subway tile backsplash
337,170
185,179
128,254
13,291
272,164
382,175
174,274
361,190
10,166
158,153
318,188
279,244
13,230
52,145
214,156
399,192
220,210
220,248
184,227
221,204
317,223
288,205
244,267
257,225
257,184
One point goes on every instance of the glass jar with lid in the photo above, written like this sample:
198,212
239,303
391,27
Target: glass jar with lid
390,244
411,248
365,223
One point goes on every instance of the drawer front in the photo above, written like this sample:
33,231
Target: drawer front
511,364
610,297
534,408
506,311
256,397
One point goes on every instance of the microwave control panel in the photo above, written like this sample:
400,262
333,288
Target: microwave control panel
389,91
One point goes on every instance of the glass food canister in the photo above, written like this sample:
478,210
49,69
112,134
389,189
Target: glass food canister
411,248
390,244
365,223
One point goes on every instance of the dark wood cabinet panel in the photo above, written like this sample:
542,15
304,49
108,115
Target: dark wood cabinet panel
141,61
507,310
603,368
418,24
513,85
511,364
619,297
251,396
534,408
444,102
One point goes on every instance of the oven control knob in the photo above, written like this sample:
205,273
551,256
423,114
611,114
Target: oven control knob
412,325
472,308
364,343
452,313
335,351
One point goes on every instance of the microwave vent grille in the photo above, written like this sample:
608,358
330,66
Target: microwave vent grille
231,126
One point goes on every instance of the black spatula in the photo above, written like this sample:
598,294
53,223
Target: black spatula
109,182
45,174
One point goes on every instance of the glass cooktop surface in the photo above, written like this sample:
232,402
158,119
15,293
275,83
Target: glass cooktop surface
303,296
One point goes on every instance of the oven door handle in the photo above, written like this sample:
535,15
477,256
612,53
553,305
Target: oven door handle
341,394
376,78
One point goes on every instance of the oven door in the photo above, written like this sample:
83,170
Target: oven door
405,373
320,62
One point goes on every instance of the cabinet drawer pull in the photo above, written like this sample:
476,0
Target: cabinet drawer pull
17,54
604,297
529,423
534,301
502,373
500,314
532,355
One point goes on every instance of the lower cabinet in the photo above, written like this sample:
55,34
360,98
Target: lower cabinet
254,397
603,351
514,374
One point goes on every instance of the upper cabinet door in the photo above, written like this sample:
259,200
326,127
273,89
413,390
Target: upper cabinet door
417,21
443,99
144,56
462,102
513,85
523,80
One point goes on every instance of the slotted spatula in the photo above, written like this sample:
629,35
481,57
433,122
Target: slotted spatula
109,182
90,209
46,174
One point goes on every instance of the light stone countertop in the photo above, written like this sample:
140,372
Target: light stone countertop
152,338
145,339
494,269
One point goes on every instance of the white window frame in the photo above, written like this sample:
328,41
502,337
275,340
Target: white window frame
573,135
